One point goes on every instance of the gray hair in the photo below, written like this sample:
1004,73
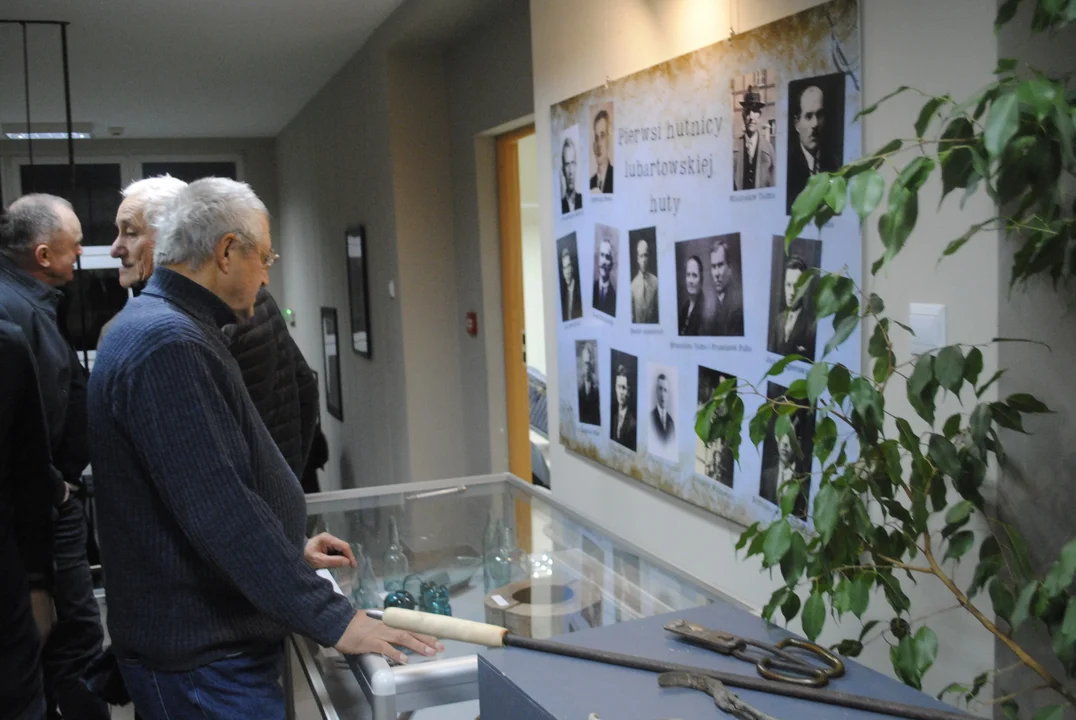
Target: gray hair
155,193
202,213
30,221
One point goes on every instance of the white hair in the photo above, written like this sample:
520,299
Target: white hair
200,214
154,194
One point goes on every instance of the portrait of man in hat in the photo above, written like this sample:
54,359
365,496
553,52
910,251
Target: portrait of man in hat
753,159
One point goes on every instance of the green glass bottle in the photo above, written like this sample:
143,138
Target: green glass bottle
395,566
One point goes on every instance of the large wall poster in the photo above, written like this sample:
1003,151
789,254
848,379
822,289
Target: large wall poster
675,185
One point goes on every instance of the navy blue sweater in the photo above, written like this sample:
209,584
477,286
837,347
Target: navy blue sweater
201,520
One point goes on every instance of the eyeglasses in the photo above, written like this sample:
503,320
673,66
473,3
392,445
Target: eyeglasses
267,260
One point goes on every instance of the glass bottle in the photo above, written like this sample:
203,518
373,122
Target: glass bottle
394,567
490,538
366,595
506,564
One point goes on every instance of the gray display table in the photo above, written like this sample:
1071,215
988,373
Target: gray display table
441,527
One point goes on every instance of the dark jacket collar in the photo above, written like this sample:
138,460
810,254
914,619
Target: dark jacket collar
191,297
28,286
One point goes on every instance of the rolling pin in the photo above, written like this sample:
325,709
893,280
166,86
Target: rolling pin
445,627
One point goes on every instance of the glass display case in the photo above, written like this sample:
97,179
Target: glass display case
493,549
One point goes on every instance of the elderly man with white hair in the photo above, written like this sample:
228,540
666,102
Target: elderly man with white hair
202,522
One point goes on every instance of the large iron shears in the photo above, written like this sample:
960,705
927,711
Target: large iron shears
774,662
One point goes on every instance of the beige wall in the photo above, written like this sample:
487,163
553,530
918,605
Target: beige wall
391,141
954,51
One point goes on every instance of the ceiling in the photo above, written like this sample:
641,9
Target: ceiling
181,68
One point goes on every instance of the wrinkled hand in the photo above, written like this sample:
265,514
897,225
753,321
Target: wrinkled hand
366,635
326,551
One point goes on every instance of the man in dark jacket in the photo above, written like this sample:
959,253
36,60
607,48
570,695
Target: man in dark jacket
26,504
40,241
280,382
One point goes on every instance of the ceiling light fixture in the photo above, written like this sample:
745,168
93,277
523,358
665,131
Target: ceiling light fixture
47,131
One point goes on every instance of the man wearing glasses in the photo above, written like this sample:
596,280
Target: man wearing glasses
202,520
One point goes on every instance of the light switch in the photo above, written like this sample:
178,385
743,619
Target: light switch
928,323
392,288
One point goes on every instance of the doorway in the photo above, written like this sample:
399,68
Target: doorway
523,306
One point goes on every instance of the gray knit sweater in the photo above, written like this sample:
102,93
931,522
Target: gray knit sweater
201,520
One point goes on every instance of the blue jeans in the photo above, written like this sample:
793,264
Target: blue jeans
239,686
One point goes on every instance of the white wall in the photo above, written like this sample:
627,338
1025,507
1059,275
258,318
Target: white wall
938,46
531,220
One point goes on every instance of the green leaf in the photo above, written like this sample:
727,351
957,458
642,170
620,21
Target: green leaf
826,510
795,560
817,379
959,512
1002,122
949,368
866,400
927,114
878,346
1050,712
1006,65
805,206
1002,598
1024,403
893,593
979,422
1006,12
957,154
944,455
779,597
973,365
905,662
1006,417
926,648
790,492
797,390
1068,624
841,332
704,419
990,562
783,426
908,439
790,606
1010,710
866,190
778,540
759,424
875,304
1061,572
952,689
971,232
746,535
861,595
825,438
896,225
867,627
839,382
871,108
952,426
814,616
779,367
959,544
993,379
837,195
848,648
921,375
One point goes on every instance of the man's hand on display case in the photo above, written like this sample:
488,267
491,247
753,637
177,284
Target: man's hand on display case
366,635
326,551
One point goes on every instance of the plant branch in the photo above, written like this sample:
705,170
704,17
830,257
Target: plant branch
1051,682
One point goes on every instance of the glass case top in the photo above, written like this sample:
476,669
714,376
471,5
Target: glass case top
497,552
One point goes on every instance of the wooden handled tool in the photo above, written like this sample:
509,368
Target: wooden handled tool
449,628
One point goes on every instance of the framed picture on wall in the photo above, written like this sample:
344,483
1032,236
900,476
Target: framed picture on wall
358,290
334,402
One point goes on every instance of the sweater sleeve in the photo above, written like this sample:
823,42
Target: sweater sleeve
189,438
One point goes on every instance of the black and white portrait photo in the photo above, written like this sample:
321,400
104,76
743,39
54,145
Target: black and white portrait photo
571,199
606,242
586,364
792,320
709,286
754,130
571,297
601,148
643,248
780,461
661,438
714,460
623,415
816,130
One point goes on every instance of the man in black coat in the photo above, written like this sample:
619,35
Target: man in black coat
792,330
280,382
570,198
726,316
27,489
604,297
622,427
589,402
808,156
571,298
40,241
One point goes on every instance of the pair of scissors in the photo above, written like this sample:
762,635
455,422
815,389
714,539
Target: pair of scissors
774,662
